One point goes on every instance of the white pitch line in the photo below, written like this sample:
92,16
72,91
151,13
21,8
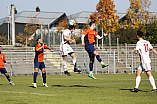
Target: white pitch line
28,93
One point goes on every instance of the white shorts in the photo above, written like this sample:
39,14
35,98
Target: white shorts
66,49
145,67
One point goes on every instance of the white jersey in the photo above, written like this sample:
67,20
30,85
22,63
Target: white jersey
68,33
143,48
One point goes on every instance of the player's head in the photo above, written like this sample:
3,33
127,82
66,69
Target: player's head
39,40
71,28
139,34
92,25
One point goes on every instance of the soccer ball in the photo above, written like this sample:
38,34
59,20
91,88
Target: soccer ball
71,22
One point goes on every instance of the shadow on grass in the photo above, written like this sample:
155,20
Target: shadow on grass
138,90
1,84
72,86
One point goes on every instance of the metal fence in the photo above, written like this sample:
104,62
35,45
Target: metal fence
121,59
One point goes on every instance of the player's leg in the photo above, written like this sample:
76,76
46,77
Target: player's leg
64,49
65,66
73,55
91,56
44,77
138,78
36,70
150,76
99,59
152,81
8,77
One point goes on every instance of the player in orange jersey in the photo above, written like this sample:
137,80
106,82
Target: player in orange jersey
38,61
88,41
2,69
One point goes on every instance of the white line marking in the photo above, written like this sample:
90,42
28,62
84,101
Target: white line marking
28,93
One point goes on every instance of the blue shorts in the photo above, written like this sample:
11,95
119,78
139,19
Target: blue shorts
39,65
3,70
90,48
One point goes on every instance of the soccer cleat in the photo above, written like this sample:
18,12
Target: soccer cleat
104,65
45,84
12,84
77,70
67,73
134,90
34,85
154,90
91,76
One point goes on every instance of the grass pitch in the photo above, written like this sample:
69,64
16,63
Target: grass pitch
77,89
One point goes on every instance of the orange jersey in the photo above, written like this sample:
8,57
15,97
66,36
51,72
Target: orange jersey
39,55
89,35
2,59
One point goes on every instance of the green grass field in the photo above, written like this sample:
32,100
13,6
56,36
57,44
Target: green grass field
77,89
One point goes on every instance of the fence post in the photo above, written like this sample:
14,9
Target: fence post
102,40
114,64
109,36
131,61
118,49
126,54
135,62
49,35
11,74
53,40
108,62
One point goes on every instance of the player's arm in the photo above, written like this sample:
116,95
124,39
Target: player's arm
154,51
46,47
68,39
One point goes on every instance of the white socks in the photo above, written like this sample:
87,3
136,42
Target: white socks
74,60
151,79
138,80
64,65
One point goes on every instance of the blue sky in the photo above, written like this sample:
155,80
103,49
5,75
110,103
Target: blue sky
67,6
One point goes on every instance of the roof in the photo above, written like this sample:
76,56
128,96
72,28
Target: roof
39,17
82,17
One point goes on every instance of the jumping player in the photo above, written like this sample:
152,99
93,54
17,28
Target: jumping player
38,61
2,69
66,49
143,48
88,41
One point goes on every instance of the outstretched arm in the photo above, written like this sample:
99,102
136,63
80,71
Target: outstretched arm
154,51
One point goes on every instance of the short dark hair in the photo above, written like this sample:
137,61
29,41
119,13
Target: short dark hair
38,39
0,46
90,24
139,33
71,27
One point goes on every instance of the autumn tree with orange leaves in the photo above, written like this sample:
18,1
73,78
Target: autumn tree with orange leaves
105,15
138,13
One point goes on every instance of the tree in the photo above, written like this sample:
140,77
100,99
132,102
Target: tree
138,13
105,15
31,27
37,9
63,24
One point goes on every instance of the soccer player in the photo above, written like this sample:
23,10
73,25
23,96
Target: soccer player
88,41
66,49
38,61
143,48
2,69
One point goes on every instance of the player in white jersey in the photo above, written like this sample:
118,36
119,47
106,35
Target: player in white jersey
143,48
66,49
